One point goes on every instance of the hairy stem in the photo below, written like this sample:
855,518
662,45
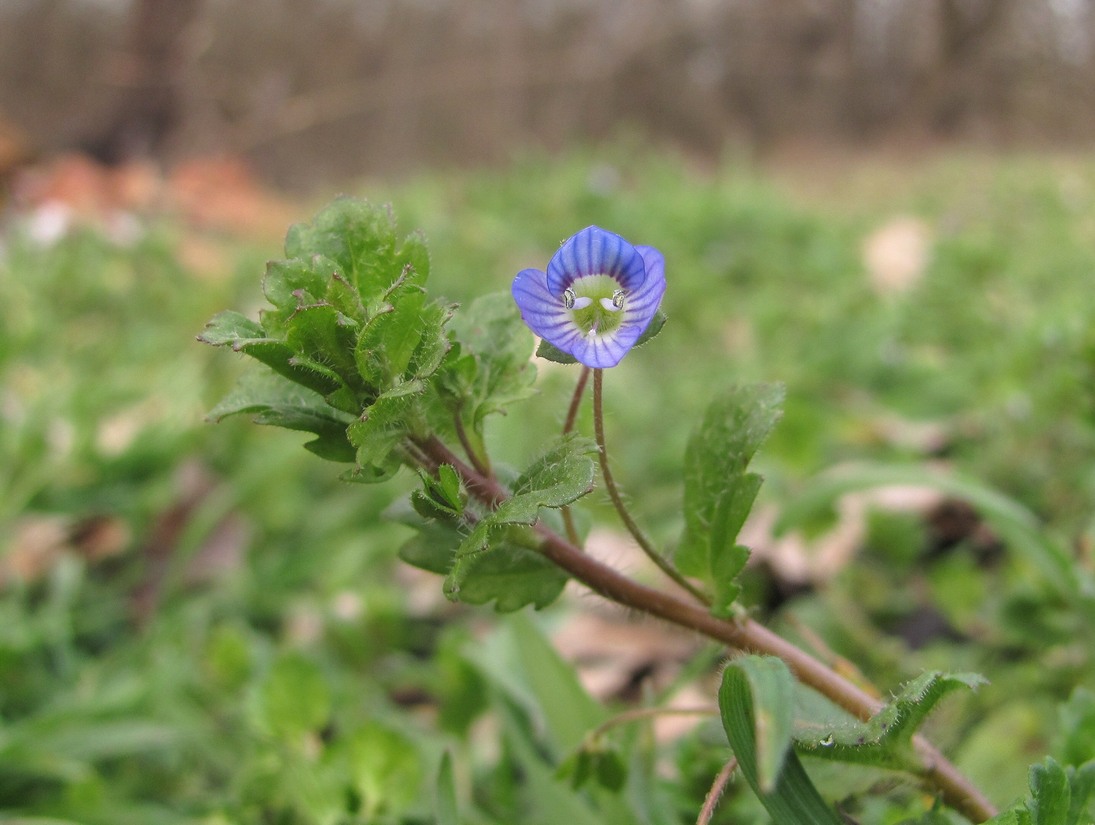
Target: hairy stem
718,787
742,634
477,461
618,502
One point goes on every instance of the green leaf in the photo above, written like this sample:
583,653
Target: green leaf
511,576
1077,726
652,329
549,352
289,283
718,492
385,768
232,329
756,704
772,690
520,657
445,811
360,239
493,369
558,477
884,740
295,698
380,431
1081,782
392,334
1050,794
441,498
279,402
320,334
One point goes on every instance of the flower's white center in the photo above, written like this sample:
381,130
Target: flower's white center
595,302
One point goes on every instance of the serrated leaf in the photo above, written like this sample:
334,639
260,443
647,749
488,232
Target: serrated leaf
884,740
1050,794
558,477
512,577
361,239
246,336
434,343
756,705
388,340
279,402
324,336
493,369
291,282
379,431
718,492
230,327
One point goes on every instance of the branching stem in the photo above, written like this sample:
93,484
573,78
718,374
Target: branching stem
743,635
477,461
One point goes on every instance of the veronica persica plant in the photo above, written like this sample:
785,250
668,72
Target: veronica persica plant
597,297
356,352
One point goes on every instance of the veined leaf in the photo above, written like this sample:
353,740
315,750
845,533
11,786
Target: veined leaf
718,492
756,701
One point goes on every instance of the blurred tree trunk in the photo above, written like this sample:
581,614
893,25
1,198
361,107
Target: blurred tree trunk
152,67
965,31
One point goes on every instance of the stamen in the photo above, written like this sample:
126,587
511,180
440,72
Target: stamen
568,298
618,298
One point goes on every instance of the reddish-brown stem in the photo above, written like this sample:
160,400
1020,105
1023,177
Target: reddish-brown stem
576,400
741,634
469,448
718,787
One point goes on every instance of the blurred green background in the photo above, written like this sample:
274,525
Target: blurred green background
201,624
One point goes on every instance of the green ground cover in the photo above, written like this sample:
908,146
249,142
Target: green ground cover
202,624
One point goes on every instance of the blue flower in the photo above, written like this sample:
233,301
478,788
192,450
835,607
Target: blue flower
596,299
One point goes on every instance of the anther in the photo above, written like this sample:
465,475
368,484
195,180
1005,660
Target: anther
568,298
618,298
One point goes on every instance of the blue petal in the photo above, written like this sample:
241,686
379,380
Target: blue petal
595,251
600,351
541,311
